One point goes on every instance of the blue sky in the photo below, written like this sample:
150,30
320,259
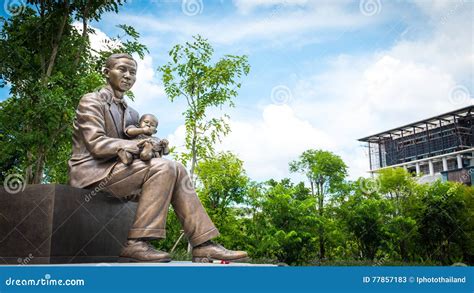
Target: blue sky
323,73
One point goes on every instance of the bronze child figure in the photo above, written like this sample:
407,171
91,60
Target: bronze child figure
151,147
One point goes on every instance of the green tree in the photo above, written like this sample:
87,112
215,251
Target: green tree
326,173
284,224
49,65
340,241
398,184
366,214
192,76
400,187
223,182
446,222
222,188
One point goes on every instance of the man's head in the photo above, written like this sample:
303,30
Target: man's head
149,120
120,71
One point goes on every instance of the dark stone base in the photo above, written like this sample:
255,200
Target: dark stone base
61,224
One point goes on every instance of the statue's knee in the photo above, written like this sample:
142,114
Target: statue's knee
180,167
164,167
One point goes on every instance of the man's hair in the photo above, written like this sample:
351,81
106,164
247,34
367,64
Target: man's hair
109,63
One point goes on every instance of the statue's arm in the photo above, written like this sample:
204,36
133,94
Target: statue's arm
90,120
132,131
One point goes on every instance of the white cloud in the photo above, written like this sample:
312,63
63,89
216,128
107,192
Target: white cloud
440,8
450,45
356,99
147,89
176,139
98,39
268,143
362,95
150,96
407,87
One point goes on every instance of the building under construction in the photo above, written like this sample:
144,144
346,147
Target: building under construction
438,147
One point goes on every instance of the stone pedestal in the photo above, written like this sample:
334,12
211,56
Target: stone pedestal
61,224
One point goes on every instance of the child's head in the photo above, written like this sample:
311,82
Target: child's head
149,120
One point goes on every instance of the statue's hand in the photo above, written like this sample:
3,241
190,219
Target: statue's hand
148,131
142,142
134,149
164,142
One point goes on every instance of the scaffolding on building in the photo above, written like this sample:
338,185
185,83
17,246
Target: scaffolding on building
452,132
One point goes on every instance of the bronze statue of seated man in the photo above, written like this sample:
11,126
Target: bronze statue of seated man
98,136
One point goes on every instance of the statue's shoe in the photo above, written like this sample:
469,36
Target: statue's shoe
212,251
142,251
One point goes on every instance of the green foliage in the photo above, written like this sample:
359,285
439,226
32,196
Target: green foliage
444,226
49,65
222,188
284,224
406,221
326,173
192,76
366,216
223,182
384,221
390,220
401,188
324,170
397,183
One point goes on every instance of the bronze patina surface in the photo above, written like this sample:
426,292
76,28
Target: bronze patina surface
106,127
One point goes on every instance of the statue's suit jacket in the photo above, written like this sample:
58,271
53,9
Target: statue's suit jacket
98,135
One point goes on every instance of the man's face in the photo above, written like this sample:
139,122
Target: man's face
122,75
149,121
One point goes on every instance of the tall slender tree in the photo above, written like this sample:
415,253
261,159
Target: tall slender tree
325,172
192,76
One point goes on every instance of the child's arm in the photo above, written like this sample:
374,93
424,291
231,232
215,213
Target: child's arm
133,131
